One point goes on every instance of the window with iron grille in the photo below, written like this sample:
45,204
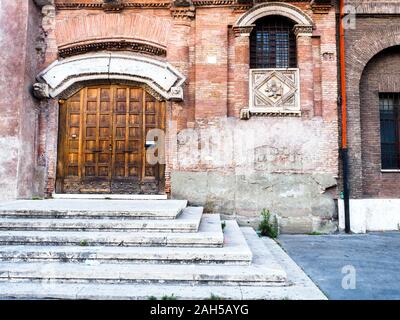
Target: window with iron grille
273,43
389,107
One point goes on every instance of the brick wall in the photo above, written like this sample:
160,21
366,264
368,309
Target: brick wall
382,74
372,35
205,48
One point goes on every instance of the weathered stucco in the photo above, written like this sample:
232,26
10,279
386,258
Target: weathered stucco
18,114
286,166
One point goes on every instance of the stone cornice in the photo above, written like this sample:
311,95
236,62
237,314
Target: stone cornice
302,30
112,5
42,3
321,6
66,5
242,31
183,13
99,5
112,46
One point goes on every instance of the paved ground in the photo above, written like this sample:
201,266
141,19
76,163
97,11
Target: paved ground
374,256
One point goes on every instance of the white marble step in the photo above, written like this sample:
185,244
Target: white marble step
209,235
234,251
93,208
109,196
188,221
264,270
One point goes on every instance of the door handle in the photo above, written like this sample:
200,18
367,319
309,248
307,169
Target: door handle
149,144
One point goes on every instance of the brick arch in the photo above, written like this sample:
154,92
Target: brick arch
359,54
366,48
381,74
107,30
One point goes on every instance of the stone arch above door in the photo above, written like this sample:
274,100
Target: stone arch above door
65,77
274,8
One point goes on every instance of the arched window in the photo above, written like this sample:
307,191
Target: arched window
273,43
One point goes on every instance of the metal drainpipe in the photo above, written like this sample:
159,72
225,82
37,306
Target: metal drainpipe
344,150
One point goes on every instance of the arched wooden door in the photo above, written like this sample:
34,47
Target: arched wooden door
102,142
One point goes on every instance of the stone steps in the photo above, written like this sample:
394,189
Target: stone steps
109,243
188,221
264,270
93,208
234,251
209,235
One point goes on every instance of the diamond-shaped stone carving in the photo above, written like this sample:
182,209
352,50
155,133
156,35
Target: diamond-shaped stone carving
274,91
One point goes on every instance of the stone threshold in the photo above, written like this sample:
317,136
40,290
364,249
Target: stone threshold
110,196
187,221
234,251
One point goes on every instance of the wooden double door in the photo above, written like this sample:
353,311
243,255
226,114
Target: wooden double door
102,142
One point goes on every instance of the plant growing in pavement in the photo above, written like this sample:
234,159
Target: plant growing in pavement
214,297
171,297
268,225
223,225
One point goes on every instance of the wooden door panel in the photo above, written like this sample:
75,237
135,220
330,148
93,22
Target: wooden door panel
102,141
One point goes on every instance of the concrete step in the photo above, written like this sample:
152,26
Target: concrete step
264,270
298,286
209,235
188,221
93,208
137,291
235,251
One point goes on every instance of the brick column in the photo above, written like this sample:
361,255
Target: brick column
241,68
178,56
305,65
48,119
211,64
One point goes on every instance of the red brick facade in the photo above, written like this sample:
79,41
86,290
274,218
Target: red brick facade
372,59
206,44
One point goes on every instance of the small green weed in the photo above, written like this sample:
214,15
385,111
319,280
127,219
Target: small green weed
268,225
223,225
214,297
171,297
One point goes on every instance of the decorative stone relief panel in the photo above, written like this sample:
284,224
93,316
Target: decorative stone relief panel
274,92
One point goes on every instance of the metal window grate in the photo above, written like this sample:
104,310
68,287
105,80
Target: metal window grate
389,108
273,43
